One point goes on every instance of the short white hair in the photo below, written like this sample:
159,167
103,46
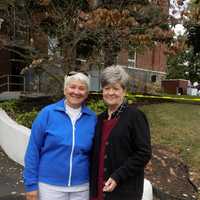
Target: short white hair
114,74
79,76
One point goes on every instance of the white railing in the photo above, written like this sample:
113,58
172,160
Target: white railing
6,83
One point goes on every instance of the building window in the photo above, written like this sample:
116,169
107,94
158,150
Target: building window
53,46
153,78
132,60
131,63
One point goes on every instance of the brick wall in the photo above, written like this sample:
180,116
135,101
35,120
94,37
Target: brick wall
122,58
153,59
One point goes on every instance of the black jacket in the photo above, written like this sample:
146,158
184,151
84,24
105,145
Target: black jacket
127,151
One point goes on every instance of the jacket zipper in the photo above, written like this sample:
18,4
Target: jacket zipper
72,151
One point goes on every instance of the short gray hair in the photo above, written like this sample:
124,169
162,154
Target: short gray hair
114,74
77,76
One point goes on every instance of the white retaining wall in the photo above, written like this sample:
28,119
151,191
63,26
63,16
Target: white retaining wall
13,138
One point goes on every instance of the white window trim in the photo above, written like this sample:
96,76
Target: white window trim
132,61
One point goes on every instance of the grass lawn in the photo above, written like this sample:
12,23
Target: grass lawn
177,126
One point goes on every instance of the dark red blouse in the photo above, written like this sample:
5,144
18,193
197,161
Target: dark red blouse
106,129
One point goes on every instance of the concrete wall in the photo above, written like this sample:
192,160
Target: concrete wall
13,138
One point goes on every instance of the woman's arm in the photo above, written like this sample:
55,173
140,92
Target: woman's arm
32,156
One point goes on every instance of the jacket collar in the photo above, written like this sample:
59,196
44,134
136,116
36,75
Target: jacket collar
117,113
60,106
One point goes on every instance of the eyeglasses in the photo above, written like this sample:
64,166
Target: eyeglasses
75,72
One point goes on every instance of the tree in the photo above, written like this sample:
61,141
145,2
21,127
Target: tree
183,66
92,30
185,63
192,24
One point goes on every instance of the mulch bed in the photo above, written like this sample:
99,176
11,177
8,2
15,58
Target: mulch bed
11,184
170,177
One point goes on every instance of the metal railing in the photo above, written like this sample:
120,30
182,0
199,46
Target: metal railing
12,83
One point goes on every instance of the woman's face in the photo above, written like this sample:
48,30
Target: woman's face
76,92
113,94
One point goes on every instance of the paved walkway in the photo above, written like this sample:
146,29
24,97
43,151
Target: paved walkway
9,95
11,184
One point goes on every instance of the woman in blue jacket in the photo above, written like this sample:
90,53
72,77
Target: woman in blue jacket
57,156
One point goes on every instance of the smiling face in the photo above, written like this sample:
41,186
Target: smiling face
113,95
76,92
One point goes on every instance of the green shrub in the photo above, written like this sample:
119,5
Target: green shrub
97,106
24,113
14,109
9,106
26,119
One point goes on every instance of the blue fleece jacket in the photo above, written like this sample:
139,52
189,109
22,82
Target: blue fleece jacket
58,151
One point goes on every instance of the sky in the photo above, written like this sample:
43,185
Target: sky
179,29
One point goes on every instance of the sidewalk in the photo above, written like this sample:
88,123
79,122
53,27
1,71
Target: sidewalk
9,95
11,184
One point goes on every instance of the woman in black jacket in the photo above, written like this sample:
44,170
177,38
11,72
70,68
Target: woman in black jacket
122,143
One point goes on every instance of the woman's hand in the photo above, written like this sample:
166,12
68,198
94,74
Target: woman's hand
33,195
110,185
